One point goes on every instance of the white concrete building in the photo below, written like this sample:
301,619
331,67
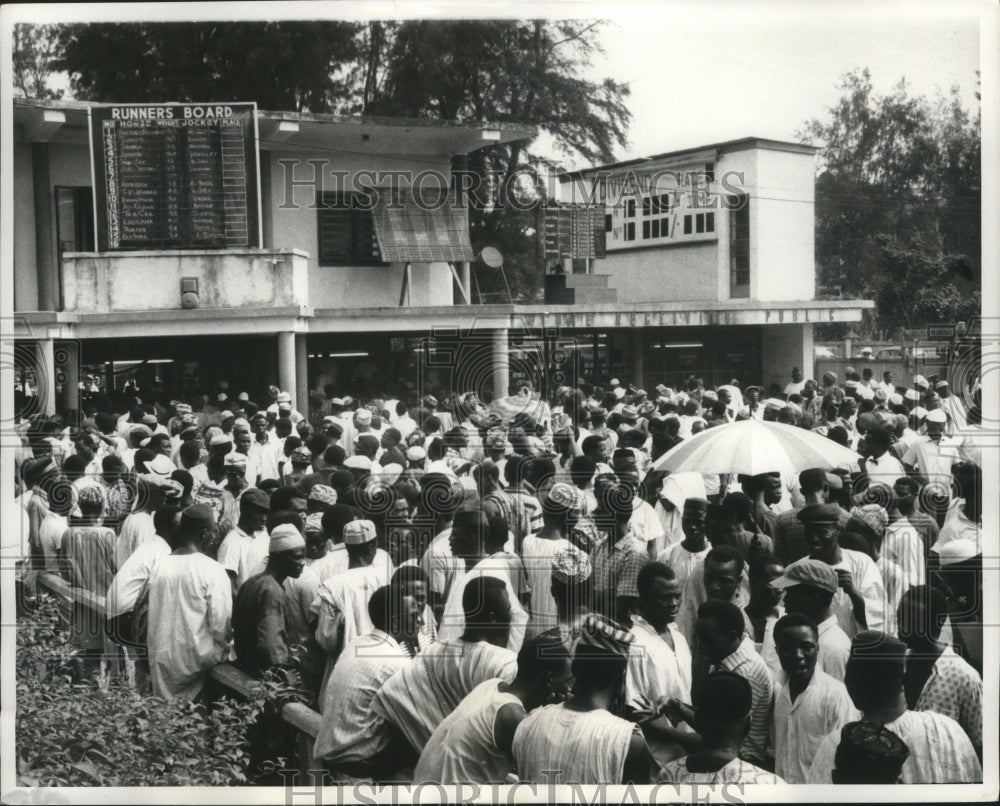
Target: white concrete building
322,301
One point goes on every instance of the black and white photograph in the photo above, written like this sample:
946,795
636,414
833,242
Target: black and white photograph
424,402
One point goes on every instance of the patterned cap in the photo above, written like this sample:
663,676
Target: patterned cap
604,634
301,457
285,537
91,495
585,532
323,494
571,566
564,495
871,747
873,516
235,460
357,533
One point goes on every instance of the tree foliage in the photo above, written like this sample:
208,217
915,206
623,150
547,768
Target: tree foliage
898,203
35,49
295,66
98,733
530,72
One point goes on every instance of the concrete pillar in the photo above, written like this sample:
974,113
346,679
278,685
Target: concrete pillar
567,265
45,253
808,364
67,362
501,363
301,393
286,363
45,375
638,367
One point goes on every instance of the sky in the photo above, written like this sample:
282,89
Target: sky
701,72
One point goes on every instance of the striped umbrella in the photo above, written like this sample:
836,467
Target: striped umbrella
753,447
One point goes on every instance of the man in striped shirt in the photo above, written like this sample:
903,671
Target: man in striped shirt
721,635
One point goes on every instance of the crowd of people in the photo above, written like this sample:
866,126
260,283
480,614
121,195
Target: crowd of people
517,591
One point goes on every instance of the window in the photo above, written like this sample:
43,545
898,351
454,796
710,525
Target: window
645,230
630,208
647,205
608,226
687,225
630,231
655,228
699,222
709,222
709,171
346,234
75,219
739,246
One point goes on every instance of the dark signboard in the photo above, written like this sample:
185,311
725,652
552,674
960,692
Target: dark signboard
572,231
175,176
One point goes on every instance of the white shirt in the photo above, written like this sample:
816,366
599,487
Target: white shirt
800,726
884,470
190,607
940,752
934,459
134,573
453,619
50,535
682,561
137,529
903,545
538,554
243,554
350,730
462,749
420,695
645,523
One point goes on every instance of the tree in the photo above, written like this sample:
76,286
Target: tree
899,181
295,66
35,50
505,71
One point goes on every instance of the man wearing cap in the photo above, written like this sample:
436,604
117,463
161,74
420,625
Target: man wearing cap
790,542
952,405
808,702
940,751
244,550
620,554
282,407
582,740
860,601
931,457
260,635
809,587
190,595
355,742
341,604
539,550
468,543
684,557
418,697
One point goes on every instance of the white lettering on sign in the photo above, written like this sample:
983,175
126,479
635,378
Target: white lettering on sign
142,113
199,112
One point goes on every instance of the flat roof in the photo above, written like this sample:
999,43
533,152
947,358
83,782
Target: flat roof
742,144
442,136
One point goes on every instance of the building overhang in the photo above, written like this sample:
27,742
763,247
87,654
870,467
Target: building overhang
65,122
304,319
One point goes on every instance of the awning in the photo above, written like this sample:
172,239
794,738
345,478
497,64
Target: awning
420,230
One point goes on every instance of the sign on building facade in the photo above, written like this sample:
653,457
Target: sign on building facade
175,176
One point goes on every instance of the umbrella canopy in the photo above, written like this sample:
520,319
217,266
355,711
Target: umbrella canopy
509,407
753,447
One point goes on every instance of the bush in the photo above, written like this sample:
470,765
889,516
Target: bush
101,733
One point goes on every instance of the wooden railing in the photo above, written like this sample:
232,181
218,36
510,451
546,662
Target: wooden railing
227,676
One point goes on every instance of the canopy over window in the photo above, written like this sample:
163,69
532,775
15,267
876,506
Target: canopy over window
413,228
